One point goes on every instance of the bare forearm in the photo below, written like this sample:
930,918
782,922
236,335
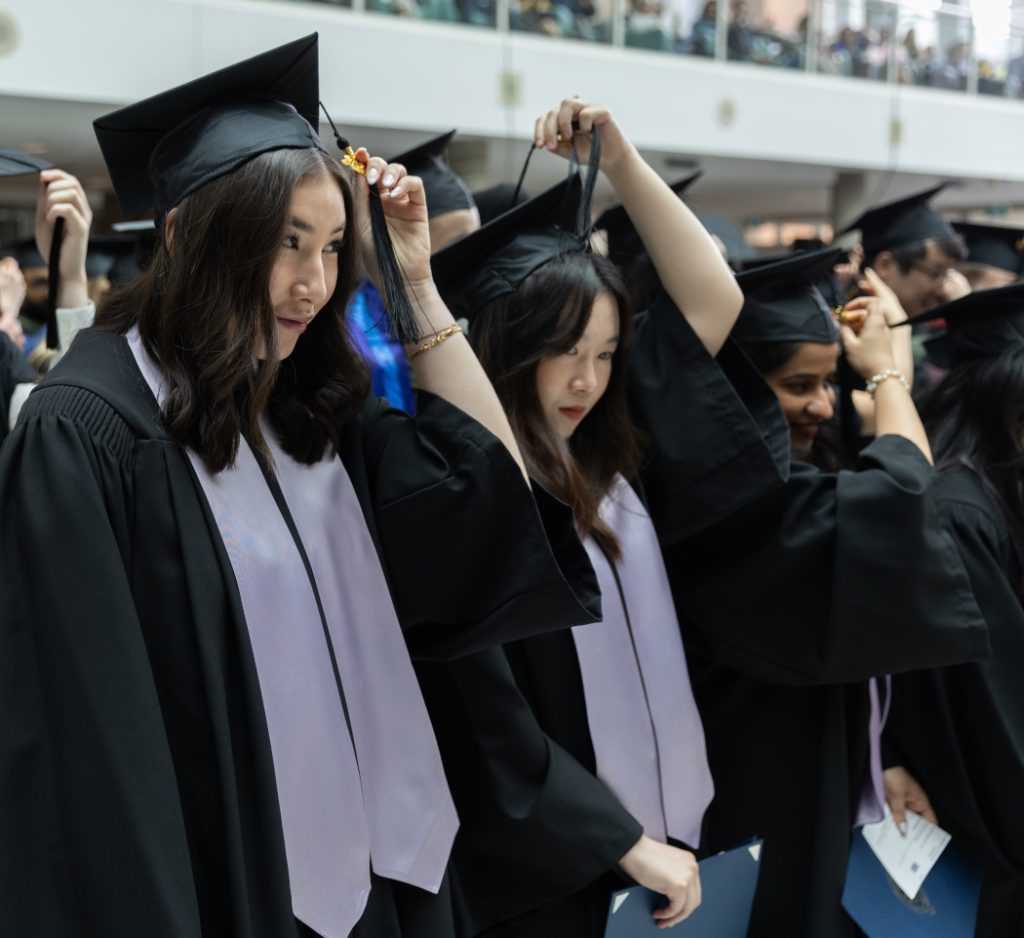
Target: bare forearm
689,264
895,413
72,292
451,371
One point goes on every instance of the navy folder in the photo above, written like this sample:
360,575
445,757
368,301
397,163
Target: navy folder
945,907
727,882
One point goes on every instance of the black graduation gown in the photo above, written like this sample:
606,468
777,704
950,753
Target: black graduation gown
14,370
960,730
787,608
541,835
137,792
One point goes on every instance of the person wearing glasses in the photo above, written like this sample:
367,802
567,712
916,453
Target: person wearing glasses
913,250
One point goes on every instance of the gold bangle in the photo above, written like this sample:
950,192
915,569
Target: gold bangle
442,336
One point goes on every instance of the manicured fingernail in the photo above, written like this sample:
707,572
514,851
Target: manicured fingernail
396,192
371,176
389,180
903,828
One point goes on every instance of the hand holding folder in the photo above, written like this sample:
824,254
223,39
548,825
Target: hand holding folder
728,883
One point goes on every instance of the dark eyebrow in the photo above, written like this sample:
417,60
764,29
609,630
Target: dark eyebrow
614,338
307,227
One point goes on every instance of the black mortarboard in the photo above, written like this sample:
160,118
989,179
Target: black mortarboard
497,200
624,241
994,245
163,148
28,254
783,301
105,252
982,324
446,192
910,220
495,259
16,163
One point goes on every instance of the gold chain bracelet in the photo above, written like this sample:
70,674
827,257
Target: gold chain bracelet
442,336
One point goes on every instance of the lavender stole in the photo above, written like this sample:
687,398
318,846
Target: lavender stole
378,794
872,797
647,734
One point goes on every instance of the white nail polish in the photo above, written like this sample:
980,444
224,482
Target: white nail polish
371,176
389,180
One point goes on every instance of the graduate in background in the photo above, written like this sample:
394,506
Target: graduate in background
792,604
995,254
959,731
214,539
452,215
620,784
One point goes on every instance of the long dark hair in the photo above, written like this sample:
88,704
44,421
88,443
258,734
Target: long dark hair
975,417
203,310
545,316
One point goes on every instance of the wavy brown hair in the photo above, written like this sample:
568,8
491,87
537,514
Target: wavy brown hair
203,310
546,316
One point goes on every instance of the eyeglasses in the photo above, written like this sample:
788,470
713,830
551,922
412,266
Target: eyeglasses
935,274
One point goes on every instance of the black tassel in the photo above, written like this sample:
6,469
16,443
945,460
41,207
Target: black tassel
52,334
404,326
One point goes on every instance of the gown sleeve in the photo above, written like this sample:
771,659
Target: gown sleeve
536,825
88,803
832,578
474,556
717,435
960,730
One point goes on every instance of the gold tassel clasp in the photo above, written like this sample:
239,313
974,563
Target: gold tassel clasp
349,160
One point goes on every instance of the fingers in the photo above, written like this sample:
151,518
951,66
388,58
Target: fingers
567,112
918,801
384,175
690,900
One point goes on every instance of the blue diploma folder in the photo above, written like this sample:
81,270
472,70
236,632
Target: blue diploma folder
727,882
945,907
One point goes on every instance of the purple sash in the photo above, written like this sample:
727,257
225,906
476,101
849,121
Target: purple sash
378,795
872,797
647,733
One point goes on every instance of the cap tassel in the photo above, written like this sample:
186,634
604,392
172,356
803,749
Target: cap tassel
52,333
404,324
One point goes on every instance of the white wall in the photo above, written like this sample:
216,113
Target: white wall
378,71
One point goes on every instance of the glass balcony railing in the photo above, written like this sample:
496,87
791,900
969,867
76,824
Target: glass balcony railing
970,46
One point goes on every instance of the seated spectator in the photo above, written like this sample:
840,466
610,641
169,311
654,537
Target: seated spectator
952,74
648,27
702,37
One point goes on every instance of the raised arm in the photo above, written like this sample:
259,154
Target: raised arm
871,355
442,360
688,262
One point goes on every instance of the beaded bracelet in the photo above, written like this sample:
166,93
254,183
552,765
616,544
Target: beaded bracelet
442,336
875,380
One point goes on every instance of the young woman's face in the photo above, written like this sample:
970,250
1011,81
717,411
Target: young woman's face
306,270
571,383
804,388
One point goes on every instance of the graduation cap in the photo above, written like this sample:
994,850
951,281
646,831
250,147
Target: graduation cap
16,163
27,254
982,324
783,301
624,241
910,220
496,200
993,245
162,149
446,192
496,258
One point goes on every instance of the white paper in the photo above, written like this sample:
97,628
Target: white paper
908,860
619,899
